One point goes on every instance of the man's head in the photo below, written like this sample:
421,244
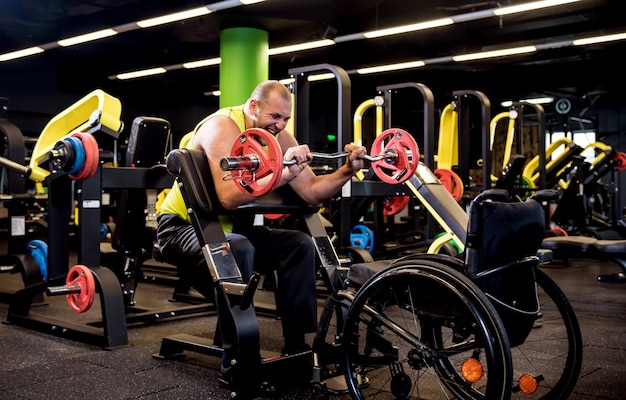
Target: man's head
269,106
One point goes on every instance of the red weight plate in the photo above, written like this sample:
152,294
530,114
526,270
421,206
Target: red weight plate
620,159
395,204
274,217
401,153
265,147
92,156
82,276
94,148
451,181
558,231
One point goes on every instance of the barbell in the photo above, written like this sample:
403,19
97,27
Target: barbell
257,154
76,155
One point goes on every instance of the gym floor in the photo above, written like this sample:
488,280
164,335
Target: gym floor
37,365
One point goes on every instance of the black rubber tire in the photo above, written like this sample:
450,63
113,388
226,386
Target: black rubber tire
410,327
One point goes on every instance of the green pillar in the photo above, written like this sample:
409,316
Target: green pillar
245,63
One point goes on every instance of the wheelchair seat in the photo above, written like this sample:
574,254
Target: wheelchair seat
359,273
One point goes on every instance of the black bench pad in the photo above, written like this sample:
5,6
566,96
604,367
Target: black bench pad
564,247
584,247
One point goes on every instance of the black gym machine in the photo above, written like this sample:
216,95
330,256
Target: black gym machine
24,222
77,178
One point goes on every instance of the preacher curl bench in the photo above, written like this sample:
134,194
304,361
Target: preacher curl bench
237,324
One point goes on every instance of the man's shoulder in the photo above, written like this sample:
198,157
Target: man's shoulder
228,111
221,116
236,114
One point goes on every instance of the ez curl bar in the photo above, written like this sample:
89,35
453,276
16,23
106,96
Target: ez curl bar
257,154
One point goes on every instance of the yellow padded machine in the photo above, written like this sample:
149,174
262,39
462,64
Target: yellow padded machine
448,150
509,118
97,109
555,164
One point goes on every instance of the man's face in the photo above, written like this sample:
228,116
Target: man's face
273,115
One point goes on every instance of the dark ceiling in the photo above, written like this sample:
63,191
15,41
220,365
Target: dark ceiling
577,72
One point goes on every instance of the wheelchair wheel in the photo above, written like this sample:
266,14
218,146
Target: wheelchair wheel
421,330
552,352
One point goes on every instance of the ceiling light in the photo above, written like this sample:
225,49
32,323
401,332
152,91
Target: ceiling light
138,74
321,77
225,5
536,100
599,39
300,47
409,28
202,63
87,37
397,30
531,6
411,64
495,53
166,19
128,27
390,67
539,100
20,53
310,78
287,81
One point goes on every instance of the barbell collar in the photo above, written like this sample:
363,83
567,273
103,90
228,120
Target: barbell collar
62,156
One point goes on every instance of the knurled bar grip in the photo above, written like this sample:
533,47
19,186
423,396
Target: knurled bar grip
251,162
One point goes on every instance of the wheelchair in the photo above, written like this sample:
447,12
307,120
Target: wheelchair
502,259
423,326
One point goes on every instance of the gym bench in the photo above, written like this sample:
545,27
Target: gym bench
584,247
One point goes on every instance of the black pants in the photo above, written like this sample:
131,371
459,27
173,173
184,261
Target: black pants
256,248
